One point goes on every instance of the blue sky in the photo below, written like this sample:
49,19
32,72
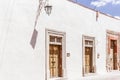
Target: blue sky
111,7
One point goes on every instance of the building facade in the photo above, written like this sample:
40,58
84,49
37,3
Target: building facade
72,42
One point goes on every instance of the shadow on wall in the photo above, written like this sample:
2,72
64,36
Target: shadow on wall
34,38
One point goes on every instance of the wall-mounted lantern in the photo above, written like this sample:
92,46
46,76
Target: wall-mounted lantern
48,9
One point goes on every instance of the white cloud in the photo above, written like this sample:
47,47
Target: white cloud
116,2
118,17
100,3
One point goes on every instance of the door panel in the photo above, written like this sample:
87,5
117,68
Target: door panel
55,60
87,66
88,60
114,54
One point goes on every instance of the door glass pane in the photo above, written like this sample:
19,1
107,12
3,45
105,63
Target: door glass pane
59,39
87,42
52,38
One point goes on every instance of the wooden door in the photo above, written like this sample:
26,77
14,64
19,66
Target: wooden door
88,60
55,60
114,51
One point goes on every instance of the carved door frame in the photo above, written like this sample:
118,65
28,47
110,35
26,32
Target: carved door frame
112,35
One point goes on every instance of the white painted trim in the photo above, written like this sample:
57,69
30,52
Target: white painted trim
60,34
84,37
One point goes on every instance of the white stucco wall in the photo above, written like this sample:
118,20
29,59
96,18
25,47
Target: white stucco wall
19,61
